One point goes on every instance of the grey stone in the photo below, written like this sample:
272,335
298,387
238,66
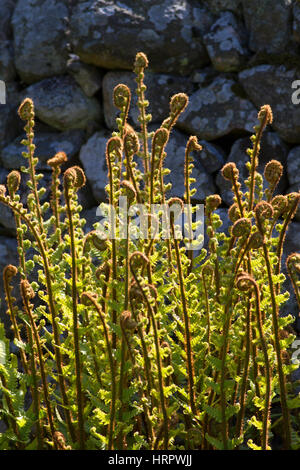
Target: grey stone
218,109
212,156
108,34
296,22
268,23
40,38
91,217
222,5
160,89
87,76
7,67
226,44
61,103
7,219
85,197
226,223
8,123
6,11
223,214
47,145
293,166
272,147
92,157
13,94
175,150
204,76
270,84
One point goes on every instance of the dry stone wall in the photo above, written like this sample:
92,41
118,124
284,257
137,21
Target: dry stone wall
229,56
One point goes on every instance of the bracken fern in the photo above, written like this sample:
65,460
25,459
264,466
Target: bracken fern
141,342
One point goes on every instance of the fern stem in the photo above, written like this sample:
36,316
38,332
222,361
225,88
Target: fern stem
19,209
28,310
92,299
68,199
188,347
158,356
282,383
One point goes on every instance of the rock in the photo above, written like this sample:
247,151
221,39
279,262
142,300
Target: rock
91,217
92,157
13,94
204,77
293,166
86,198
7,220
168,31
226,44
175,150
160,88
87,76
7,67
212,156
270,84
261,17
47,145
218,109
223,214
60,103
296,22
8,124
226,223
40,38
6,11
222,5
272,147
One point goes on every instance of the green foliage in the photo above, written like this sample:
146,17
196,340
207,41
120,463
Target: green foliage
136,342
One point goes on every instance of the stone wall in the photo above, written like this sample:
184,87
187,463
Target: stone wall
230,56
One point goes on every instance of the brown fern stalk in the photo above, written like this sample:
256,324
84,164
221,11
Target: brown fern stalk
265,117
55,163
73,180
26,217
186,319
9,272
141,62
26,113
128,325
264,211
191,146
243,283
157,346
243,390
114,148
28,294
136,297
130,194
87,299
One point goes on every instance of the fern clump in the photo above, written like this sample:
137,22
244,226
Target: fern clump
130,338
